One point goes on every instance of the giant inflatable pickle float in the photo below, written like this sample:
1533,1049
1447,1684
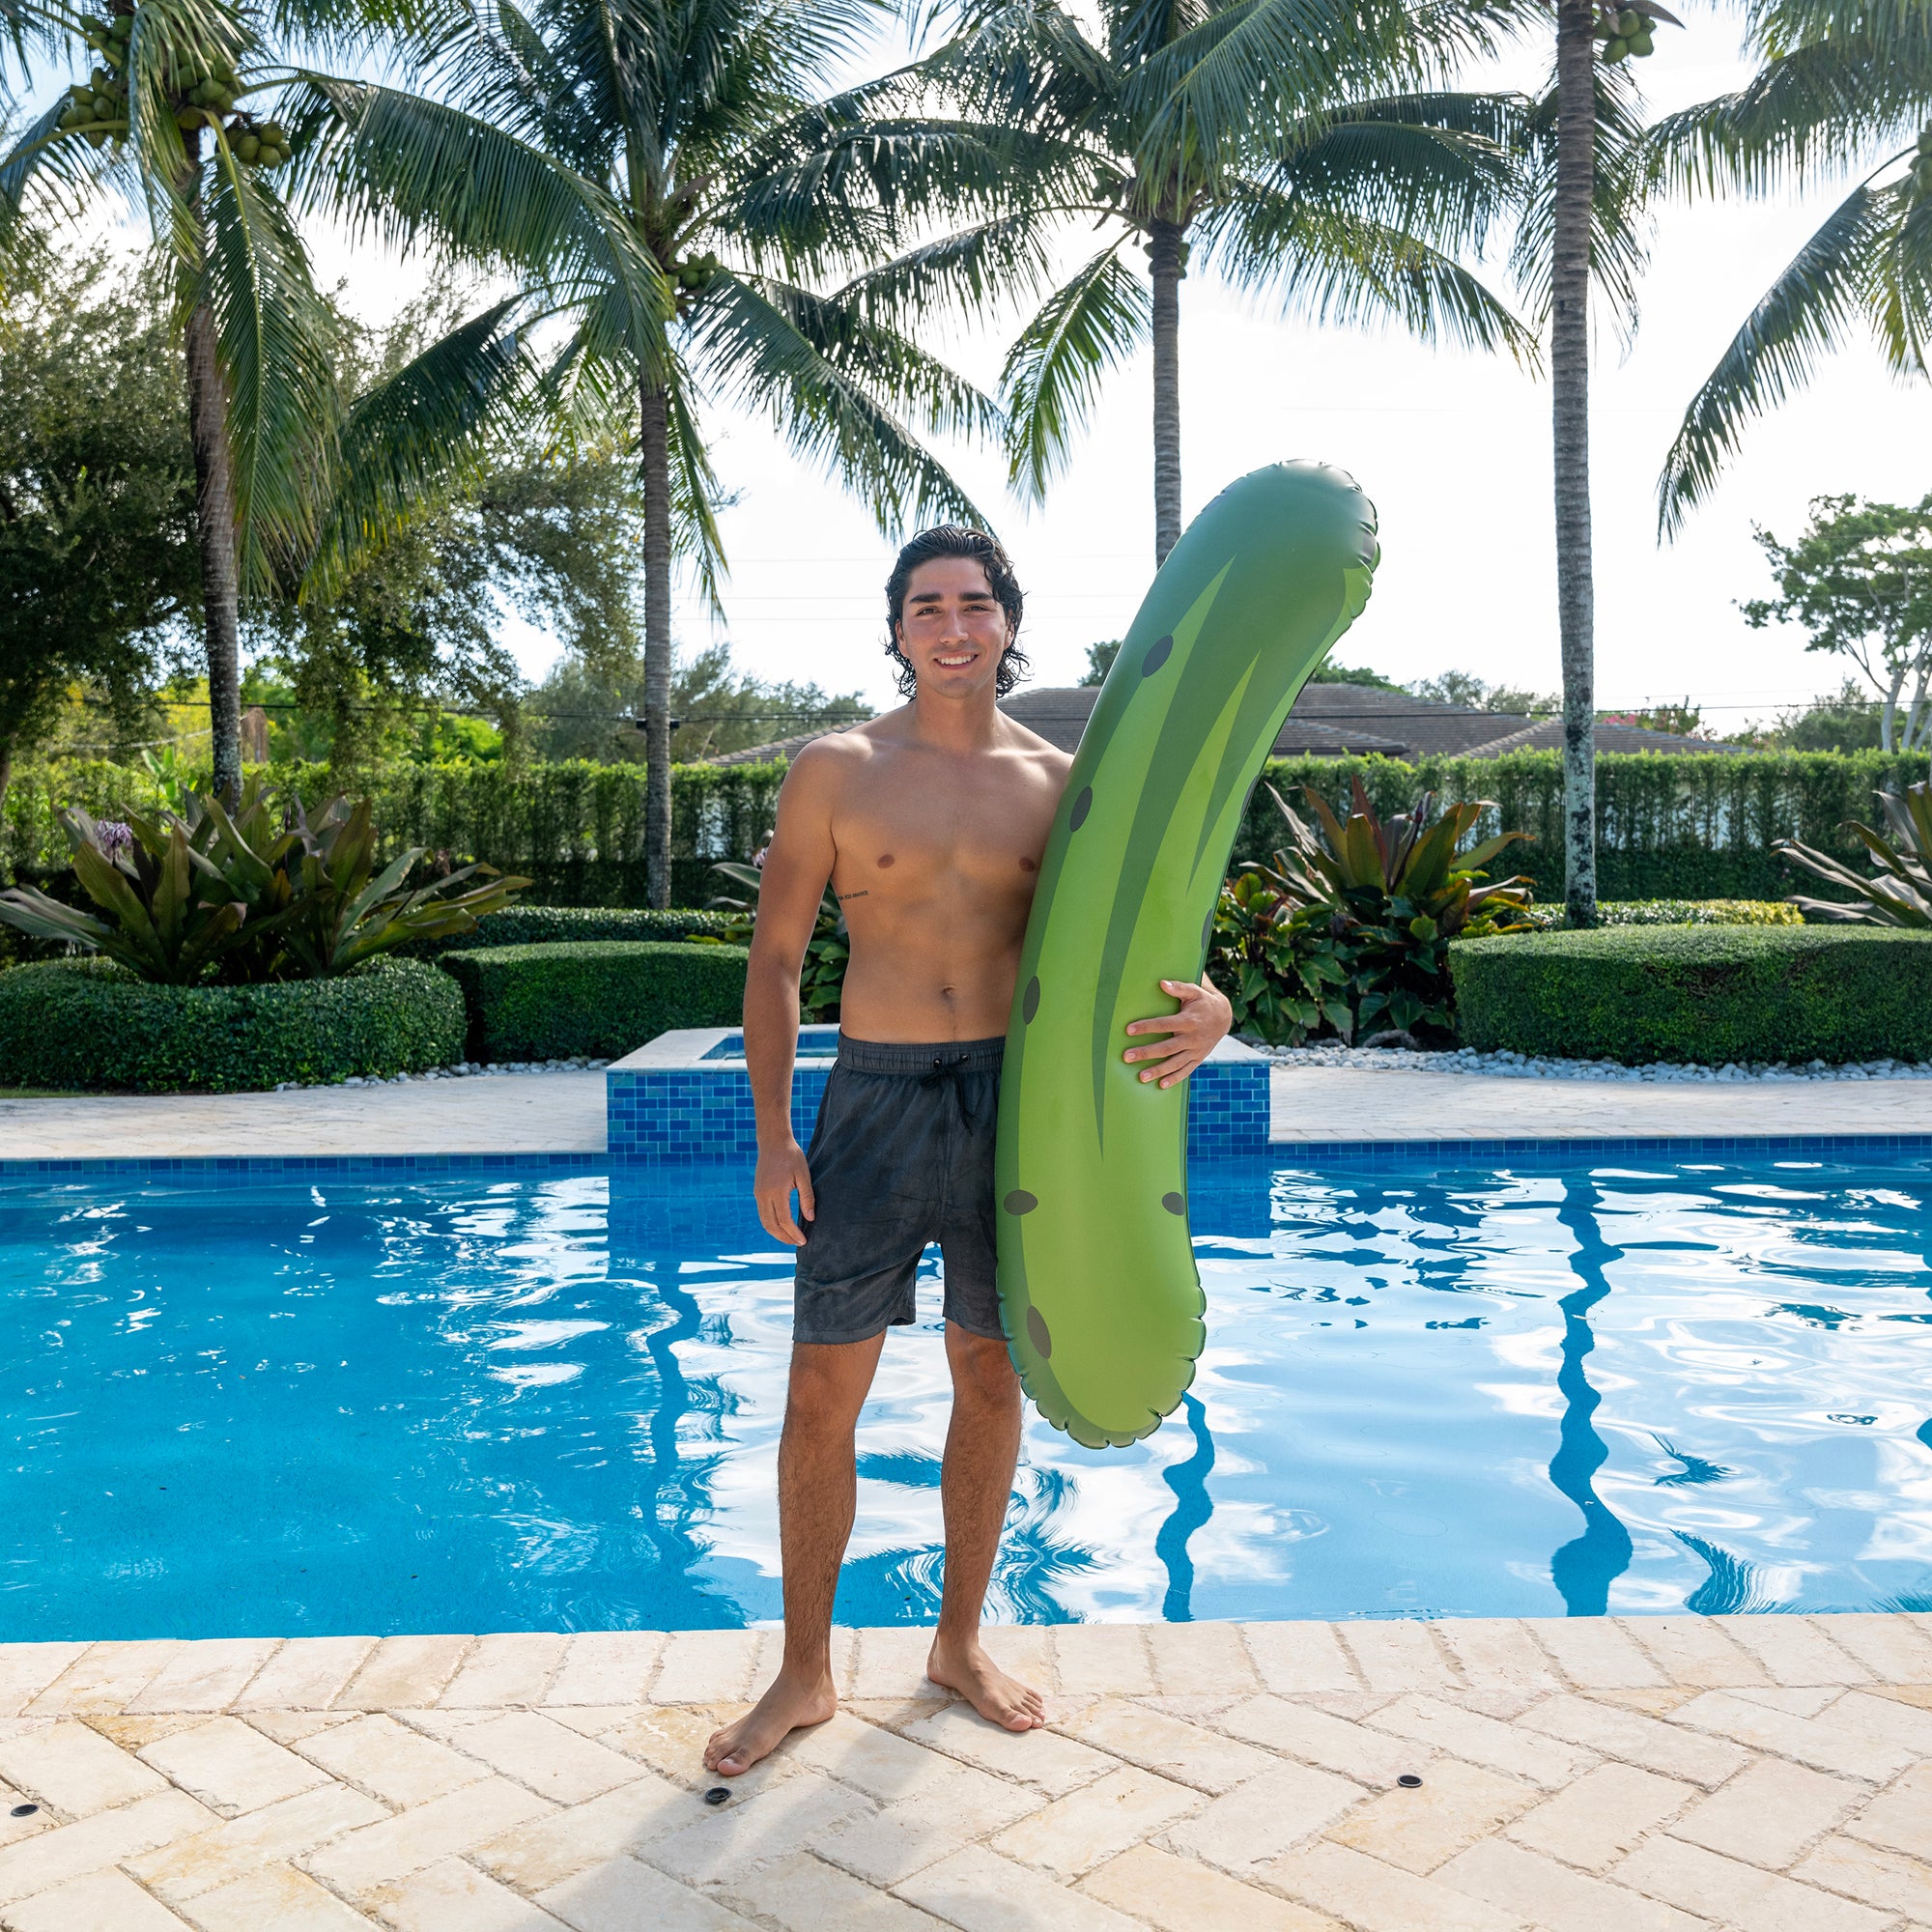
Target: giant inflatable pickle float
1099,1293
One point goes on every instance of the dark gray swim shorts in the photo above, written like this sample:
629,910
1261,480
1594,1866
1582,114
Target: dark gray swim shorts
902,1155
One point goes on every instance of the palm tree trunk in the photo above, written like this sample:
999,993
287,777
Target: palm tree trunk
214,525
654,443
1570,384
1164,267
215,520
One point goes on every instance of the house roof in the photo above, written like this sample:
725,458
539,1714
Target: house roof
1328,720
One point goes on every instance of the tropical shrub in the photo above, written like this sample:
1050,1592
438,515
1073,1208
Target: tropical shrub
260,896
1392,893
1282,968
821,978
602,998
1671,912
1899,893
91,1024
1705,994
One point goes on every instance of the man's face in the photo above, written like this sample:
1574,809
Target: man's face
951,627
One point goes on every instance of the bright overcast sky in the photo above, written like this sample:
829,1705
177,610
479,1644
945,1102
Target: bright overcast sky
1453,448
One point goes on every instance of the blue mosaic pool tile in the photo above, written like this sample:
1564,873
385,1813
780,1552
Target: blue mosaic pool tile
683,1115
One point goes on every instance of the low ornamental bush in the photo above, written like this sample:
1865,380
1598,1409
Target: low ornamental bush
604,998
1709,994
1662,912
527,924
90,1024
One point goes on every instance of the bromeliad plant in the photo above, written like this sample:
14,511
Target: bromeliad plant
1394,895
821,979
257,895
1900,893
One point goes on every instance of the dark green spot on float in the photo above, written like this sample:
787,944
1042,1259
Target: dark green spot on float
1020,1201
1159,653
1207,933
1038,1334
1082,805
1029,1002
1174,1204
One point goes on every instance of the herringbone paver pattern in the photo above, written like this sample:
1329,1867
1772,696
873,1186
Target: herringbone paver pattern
1631,1775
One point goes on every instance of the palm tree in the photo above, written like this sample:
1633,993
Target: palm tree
1290,153
1836,93
1580,238
179,113
695,121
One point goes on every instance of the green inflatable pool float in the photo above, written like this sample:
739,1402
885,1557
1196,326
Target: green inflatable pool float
1098,1294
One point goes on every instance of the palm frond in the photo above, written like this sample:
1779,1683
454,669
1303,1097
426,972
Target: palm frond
1330,266
1801,316
1444,166
1054,370
405,168
1259,65
833,384
418,433
1819,108
964,273
1902,280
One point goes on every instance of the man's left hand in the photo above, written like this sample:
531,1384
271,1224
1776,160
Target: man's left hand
1200,1025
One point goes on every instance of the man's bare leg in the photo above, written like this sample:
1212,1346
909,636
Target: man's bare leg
817,1496
976,1486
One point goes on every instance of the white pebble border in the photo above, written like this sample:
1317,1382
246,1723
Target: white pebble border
469,1070
1523,1067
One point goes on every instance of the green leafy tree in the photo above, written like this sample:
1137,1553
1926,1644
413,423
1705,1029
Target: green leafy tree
738,192
1840,90
187,110
1284,146
591,711
1859,581
98,561
1099,661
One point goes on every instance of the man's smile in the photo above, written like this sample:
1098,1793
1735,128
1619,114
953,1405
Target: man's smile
952,661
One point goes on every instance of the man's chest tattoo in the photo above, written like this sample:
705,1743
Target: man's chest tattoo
841,897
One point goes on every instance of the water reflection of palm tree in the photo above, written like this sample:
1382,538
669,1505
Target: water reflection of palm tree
1585,1568
644,1249
1192,1508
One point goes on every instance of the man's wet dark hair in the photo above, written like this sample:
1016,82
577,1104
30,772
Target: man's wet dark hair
956,540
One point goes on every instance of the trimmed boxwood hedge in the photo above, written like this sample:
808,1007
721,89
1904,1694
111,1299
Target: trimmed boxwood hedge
1709,994
544,925
90,1024
604,998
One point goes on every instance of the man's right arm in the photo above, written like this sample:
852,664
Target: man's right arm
798,864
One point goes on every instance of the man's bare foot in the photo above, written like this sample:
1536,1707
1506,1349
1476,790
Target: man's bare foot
791,1704
1002,1699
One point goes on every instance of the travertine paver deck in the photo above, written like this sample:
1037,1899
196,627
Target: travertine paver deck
563,1113
1643,1774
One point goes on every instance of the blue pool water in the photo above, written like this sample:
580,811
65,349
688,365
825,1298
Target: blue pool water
501,1400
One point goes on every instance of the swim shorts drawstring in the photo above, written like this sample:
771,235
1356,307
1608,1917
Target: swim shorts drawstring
947,1072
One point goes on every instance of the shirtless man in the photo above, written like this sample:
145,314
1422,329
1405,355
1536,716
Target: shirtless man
930,823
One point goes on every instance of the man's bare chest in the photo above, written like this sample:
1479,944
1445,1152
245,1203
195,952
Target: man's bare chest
898,837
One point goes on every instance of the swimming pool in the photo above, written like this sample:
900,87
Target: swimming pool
531,1398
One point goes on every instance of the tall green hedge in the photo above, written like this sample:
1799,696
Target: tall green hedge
1698,826
89,1024
602,998
1709,994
